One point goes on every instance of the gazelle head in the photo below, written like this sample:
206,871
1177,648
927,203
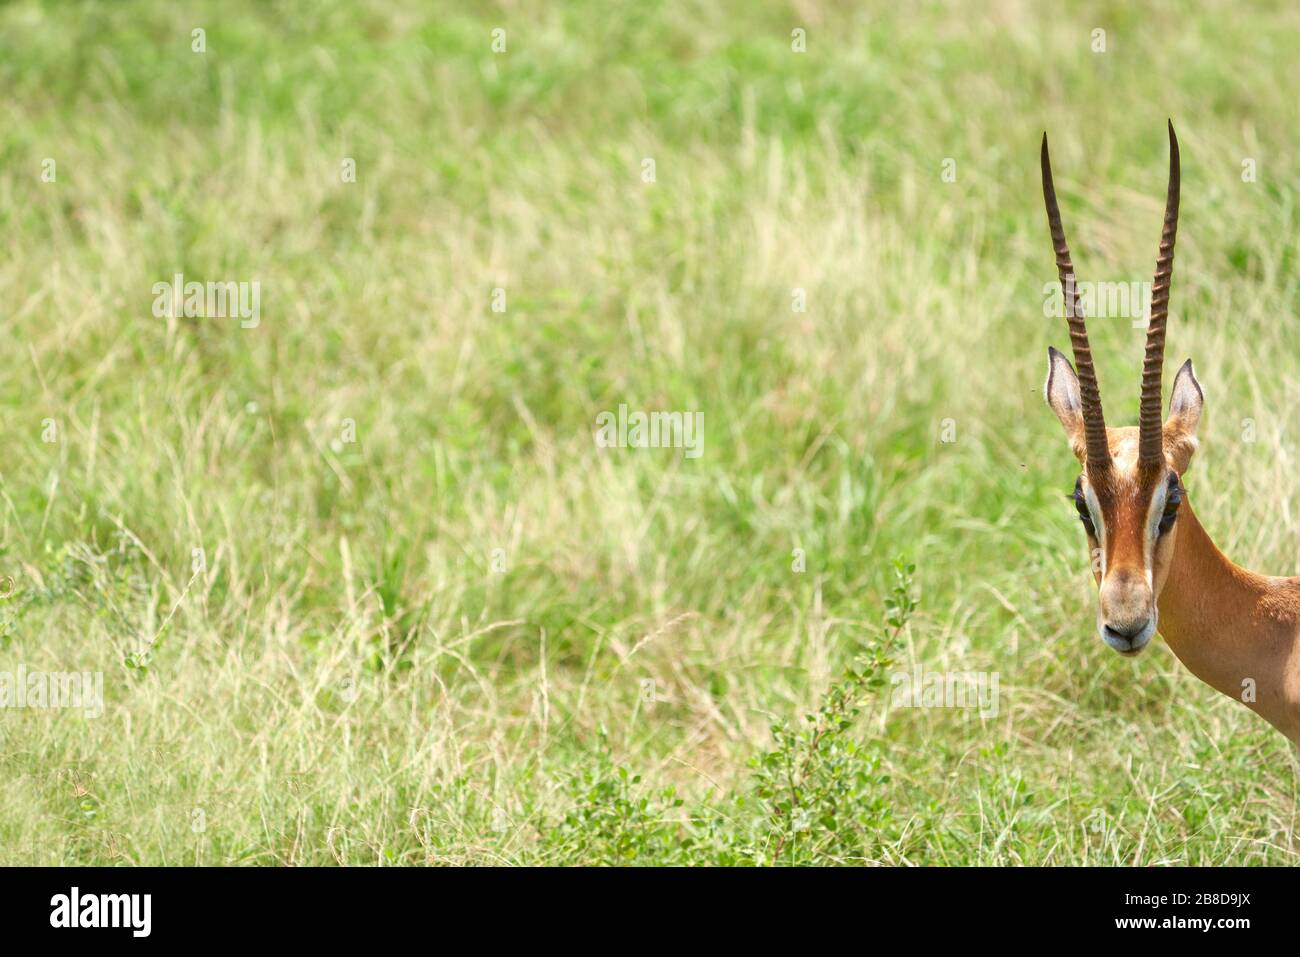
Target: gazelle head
1128,493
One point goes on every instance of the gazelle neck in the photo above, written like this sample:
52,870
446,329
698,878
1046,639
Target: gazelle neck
1235,630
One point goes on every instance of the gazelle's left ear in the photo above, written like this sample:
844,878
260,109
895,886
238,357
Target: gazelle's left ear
1185,404
1186,401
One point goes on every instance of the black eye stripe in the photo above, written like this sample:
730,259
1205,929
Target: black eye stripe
1081,506
1173,497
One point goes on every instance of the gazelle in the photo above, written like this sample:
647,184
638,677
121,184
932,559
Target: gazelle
1156,567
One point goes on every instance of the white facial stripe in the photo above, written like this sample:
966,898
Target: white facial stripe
1154,513
1094,509
1157,508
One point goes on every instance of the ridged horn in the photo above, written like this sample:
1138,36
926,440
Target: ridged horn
1150,443
1094,422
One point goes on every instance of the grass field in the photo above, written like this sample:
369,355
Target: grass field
364,589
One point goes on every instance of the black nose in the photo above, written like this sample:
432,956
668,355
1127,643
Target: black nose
1127,631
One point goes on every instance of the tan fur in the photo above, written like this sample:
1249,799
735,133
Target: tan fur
1237,631
1231,627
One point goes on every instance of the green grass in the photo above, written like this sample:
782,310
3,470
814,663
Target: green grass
350,680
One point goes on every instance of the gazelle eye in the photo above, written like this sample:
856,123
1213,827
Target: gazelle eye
1173,497
1081,506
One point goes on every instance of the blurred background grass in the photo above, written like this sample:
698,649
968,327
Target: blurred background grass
350,681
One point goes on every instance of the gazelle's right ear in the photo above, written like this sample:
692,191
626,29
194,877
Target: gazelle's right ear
1062,393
